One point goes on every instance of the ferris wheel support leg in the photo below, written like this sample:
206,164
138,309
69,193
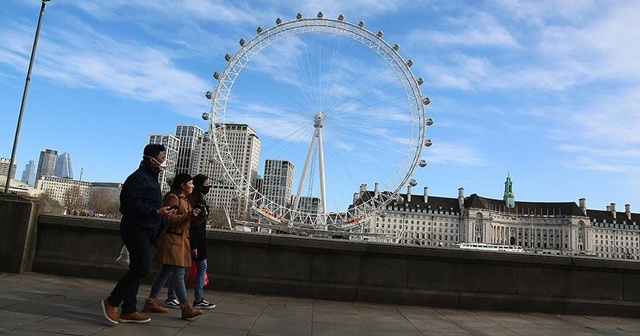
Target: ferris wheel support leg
323,191
296,201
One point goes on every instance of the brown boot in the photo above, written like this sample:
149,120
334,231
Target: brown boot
152,306
188,312
134,317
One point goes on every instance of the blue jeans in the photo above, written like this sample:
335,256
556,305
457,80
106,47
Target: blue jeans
177,282
198,283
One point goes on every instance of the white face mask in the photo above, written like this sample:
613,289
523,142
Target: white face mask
155,162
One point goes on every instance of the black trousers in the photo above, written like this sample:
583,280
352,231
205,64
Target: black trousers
140,246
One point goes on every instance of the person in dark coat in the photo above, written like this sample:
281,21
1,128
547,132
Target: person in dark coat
142,213
197,240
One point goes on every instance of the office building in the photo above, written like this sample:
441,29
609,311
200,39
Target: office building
172,144
29,174
58,189
563,228
243,146
46,163
63,166
4,167
277,182
188,136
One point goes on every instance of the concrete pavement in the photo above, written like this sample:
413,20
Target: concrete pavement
39,304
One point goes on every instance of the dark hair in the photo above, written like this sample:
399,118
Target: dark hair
153,150
199,179
178,181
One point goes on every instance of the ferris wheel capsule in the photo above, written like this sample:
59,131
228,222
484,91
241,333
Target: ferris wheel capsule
242,42
299,16
209,95
340,17
259,30
428,143
420,80
216,75
429,122
413,183
409,63
379,34
205,115
396,47
278,21
361,24
422,163
227,57
320,15
426,101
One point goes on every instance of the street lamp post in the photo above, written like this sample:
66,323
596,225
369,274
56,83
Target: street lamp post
24,98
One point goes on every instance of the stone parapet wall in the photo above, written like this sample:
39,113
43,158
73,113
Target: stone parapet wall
364,271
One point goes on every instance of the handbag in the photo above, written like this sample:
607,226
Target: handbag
191,276
123,258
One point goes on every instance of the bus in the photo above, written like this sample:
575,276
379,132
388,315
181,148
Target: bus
491,247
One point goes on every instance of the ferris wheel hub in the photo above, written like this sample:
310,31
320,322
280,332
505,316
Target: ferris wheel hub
318,120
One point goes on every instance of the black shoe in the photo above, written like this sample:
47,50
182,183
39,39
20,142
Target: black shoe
203,304
172,303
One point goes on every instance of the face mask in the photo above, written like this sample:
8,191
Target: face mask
155,162
205,189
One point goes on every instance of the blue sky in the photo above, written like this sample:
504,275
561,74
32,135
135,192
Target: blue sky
547,91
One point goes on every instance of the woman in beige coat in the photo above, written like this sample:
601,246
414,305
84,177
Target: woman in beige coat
173,250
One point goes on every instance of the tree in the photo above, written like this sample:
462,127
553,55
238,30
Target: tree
73,199
103,202
48,204
218,218
112,208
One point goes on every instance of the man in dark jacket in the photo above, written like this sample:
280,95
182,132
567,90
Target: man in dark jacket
142,212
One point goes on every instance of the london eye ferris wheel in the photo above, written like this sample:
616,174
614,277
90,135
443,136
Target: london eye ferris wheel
337,103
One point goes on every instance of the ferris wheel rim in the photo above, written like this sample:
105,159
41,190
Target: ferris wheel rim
299,26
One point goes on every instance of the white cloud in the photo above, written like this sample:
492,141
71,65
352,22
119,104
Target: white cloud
453,154
86,58
478,29
598,164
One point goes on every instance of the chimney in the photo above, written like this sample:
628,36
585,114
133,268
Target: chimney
408,194
608,208
613,210
375,192
426,195
583,205
461,198
627,211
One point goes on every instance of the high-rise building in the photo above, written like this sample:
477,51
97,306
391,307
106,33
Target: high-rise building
172,144
277,181
47,163
63,166
188,136
310,204
4,167
29,174
243,145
